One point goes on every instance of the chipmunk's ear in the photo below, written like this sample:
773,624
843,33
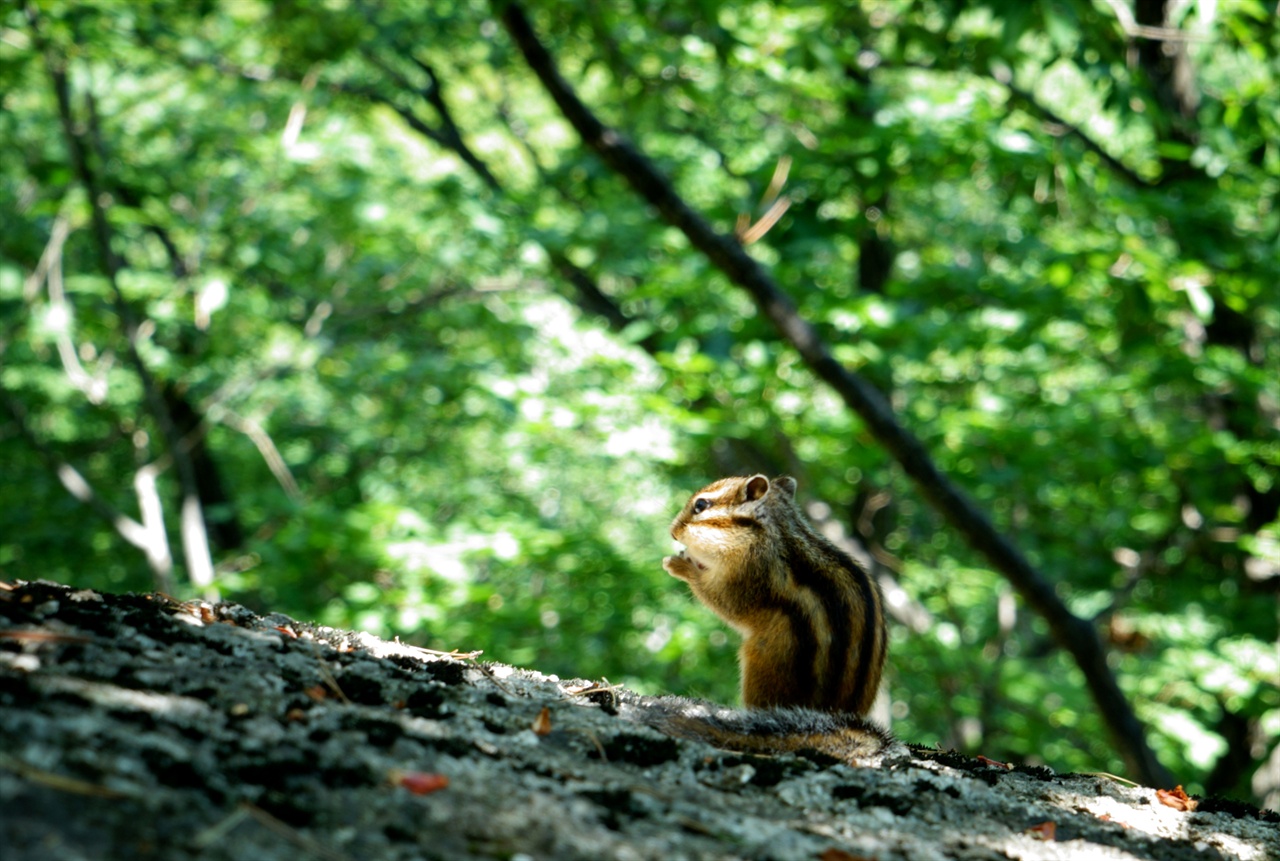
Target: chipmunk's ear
757,486
786,485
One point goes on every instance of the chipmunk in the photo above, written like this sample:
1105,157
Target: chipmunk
813,630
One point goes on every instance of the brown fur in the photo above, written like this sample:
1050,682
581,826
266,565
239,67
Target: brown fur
811,619
763,731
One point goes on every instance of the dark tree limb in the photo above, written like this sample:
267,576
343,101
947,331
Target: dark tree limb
448,135
1240,733
1077,636
875,251
225,529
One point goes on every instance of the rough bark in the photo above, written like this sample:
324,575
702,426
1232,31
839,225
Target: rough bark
134,726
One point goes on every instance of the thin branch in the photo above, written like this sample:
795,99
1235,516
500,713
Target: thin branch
130,197
49,270
591,298
266,447
448,135
1065,127
1129,24
1028,101
1072,633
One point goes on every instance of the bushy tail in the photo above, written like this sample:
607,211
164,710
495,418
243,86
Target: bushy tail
842,735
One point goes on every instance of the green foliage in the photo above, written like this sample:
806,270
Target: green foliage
1001,214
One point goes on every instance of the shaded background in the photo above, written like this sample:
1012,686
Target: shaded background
324,308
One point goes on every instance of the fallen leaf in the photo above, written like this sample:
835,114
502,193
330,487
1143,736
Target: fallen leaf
419,782
1176,798
834,854
1045,830
542,723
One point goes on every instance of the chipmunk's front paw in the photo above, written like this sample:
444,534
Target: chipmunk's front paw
680,566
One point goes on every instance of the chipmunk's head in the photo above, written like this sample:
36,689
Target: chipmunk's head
726,517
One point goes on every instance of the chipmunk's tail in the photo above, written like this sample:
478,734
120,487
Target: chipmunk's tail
842,735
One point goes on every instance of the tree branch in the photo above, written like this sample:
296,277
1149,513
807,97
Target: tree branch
1072,633
591,298
152,542
448,135
1029,103
195,538
92,386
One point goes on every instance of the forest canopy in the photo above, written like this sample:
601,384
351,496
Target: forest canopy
426,318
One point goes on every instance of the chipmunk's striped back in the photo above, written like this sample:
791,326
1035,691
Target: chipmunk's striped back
811,618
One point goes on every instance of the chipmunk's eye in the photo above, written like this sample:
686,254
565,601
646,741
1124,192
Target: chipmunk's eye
701,505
